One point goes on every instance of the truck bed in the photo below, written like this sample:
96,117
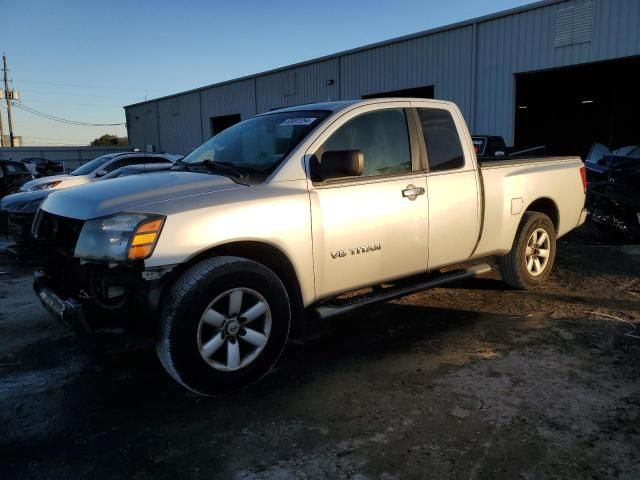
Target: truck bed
509,186
485,164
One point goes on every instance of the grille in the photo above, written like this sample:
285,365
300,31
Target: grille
56,232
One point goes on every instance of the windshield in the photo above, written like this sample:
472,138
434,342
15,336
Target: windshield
89,167
635,152
257,145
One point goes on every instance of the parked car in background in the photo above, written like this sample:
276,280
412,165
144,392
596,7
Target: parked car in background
488,147
41,167
601,160
13,175
19,209
305,212
97,168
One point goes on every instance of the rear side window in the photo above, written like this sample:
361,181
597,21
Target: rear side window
157,160
383,138
124,162
441,139
15,168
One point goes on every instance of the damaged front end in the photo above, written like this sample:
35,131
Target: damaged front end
614,203
93,295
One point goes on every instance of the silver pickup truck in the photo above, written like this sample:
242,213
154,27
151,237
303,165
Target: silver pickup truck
304,212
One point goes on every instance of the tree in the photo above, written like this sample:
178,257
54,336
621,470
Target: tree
108,139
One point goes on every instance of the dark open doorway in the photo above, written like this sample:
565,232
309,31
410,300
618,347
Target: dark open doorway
223,122
419,92
569,109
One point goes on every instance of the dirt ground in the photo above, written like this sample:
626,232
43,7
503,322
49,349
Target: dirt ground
473,381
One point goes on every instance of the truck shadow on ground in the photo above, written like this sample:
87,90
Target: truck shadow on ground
133,390
384,330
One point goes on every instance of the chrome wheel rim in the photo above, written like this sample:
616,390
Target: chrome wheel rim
234,329
538,252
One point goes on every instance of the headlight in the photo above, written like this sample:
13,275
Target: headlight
44,186
120,237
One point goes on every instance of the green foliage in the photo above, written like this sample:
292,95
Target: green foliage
108,139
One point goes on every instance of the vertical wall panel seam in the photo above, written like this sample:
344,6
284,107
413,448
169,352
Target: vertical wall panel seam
474,67
158,126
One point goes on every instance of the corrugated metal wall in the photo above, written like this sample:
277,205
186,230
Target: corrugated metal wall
142,125
305,84
472,64
443,60
526,42
231,98
180,123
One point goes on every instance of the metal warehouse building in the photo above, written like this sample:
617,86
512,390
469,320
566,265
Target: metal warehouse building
558,73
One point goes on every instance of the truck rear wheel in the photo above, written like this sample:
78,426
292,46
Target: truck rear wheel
533,253
224,324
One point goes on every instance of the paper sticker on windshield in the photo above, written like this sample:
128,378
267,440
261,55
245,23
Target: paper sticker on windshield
298,121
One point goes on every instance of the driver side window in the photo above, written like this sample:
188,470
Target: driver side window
383,138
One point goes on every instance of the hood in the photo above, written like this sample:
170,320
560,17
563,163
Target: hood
132,193
65,181
24,202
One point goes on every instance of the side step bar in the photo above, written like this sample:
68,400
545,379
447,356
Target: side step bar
329,310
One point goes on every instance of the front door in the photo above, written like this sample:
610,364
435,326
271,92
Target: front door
373,228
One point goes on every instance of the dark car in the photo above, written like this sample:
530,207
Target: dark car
493,147
613,196
601,161
20,208
12,176
489,146
41,167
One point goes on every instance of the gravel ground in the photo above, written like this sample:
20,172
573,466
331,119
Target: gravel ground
472,381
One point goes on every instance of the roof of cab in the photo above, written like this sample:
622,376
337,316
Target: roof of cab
341,105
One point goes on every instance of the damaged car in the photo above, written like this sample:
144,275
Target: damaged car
613,197
293,216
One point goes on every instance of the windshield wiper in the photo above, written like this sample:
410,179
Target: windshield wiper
222,167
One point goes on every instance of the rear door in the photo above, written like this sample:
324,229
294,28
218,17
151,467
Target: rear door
371,228
453,186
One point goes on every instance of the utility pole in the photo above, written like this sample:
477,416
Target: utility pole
6,94
1,129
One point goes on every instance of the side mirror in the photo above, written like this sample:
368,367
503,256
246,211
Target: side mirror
339,163
101,173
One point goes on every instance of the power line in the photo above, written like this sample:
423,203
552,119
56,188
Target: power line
57,102
63,120
111,87
60,139
61,93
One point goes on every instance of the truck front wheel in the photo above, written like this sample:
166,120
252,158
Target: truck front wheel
224,324
533,253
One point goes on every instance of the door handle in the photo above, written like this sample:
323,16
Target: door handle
412,192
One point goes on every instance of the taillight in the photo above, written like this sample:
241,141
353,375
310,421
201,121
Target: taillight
583,175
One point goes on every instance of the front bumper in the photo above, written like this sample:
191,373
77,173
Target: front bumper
68,311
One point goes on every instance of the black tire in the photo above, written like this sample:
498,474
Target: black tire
513,266
187,300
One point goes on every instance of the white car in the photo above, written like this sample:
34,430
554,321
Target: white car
97,168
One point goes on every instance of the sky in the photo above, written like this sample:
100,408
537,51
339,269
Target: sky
85,60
